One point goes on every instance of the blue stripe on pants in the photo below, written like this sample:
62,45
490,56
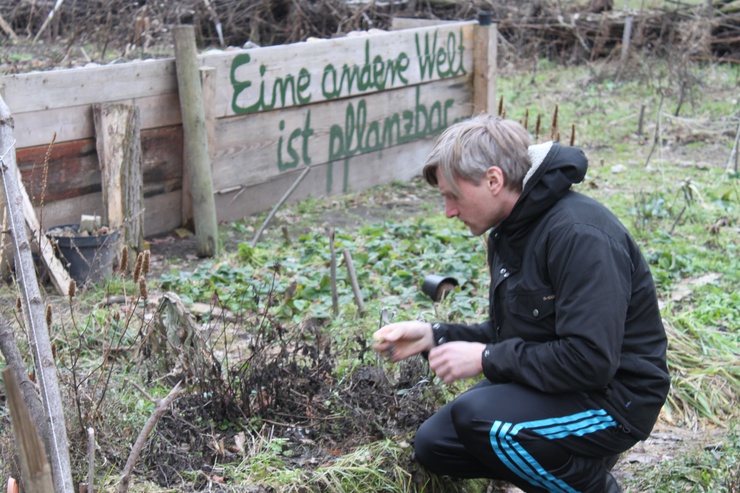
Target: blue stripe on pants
516,458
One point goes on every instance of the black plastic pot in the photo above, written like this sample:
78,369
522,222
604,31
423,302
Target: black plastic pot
88,258
437,287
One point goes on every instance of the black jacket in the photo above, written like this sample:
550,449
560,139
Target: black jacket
573,307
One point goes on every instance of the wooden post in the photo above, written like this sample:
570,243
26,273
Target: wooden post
627,37
118,142
34,466
195,138
34,310
208,84
485,36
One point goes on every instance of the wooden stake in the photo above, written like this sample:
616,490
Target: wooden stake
195,139
353,280
735,152
333,270
572,134
90,460
554,126
484,68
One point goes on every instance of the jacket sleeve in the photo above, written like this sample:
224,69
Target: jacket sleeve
591,276
444,332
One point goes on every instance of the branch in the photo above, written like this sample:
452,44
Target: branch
162,407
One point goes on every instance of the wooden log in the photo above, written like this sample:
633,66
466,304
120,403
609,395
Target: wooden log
484,68
34,466
34,310
118,142
196,154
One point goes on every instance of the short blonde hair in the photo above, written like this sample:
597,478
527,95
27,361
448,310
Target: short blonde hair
468,148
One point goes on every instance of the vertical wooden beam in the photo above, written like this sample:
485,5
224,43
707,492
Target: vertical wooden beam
118,142
195,140
485,36
208,85
34,310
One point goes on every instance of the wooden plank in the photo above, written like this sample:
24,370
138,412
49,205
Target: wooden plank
255,148
34,466
73,166
278,77
357,173
72,170
161,211
67,211
398,23
58,101
35,128
39,91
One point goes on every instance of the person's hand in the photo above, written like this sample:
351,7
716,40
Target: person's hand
401,340
456,360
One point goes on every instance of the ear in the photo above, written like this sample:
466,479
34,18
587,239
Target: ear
494,179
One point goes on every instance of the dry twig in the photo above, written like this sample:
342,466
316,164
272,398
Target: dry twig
162,406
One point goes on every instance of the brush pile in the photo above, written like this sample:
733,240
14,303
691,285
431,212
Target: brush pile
574,32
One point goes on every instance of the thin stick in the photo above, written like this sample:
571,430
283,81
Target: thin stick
90,460
657,130
353,280
8,30
278,205
51,15
734,153
162,406
333,267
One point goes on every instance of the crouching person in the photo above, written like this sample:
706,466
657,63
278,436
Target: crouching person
574,349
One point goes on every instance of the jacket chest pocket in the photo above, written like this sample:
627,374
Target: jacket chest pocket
534,307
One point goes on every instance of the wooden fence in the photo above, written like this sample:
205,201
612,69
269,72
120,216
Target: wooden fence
358,110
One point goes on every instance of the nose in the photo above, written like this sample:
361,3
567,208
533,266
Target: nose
450,209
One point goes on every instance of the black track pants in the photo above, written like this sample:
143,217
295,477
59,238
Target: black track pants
539,442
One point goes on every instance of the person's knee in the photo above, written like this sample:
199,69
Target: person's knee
425,443
463,419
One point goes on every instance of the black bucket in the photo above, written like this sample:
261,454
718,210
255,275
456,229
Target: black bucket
88,258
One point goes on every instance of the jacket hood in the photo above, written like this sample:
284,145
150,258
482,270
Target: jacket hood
554,170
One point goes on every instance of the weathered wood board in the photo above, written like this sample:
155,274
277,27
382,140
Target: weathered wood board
353,174
356,103
254,148
36,128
